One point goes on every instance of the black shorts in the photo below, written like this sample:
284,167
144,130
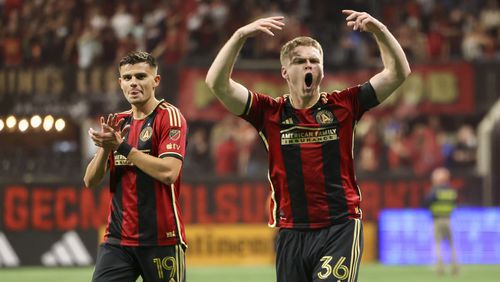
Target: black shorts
330,254
124,263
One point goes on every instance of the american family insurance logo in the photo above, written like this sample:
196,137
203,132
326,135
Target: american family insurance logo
300,135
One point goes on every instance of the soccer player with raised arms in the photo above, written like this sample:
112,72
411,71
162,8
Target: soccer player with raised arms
308,134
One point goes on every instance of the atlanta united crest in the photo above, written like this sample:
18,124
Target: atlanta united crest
146,134
324,117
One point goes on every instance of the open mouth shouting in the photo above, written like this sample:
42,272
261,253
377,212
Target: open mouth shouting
308,79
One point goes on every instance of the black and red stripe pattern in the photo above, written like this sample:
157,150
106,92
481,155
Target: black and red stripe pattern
311,166
143,210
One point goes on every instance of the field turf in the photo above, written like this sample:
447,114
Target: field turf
370,272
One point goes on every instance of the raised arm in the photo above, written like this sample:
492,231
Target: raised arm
396,67
98,166
232,94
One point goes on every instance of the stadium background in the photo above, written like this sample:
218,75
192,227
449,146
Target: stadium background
58,62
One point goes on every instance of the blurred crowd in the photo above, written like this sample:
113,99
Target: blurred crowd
403,147
86,32
416,146
225,149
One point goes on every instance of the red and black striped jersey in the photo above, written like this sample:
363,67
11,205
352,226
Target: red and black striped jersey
310,153
143,210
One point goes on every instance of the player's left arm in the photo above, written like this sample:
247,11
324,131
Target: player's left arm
396,67
165,169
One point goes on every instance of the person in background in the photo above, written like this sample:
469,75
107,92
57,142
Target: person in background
441,201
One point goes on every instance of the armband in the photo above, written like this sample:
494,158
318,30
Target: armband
124,149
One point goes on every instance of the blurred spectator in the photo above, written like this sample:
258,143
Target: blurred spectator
154,25
232,144
490,16
436,42
198,160
109,45
370,153
224,147
267,49
426,151
413,41
122,21
138,30
399,150
98,21
10,6
441,201
454,33
349,50
246,139
464,154
476,43
89,47
11,45
125,46
174,45
226,160
218,11
53,42
447,141
369,145
205,36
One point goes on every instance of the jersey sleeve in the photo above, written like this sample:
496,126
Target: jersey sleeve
172,134
367,97
256,108
359,99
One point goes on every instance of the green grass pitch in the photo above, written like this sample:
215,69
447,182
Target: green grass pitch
368,273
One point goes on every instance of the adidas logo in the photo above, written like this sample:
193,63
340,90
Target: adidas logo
67,251
7,255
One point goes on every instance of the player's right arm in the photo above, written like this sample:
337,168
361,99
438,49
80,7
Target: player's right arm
233,95
97,168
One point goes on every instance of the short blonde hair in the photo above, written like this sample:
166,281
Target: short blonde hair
294,43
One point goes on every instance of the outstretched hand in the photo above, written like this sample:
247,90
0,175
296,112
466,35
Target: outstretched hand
362,21
265,25
110,136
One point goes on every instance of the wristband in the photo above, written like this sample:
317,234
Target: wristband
124,149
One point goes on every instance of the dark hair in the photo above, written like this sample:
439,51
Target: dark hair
136,57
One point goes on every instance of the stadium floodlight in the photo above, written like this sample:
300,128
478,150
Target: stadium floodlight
60,124
35,121
23,125
48,122
11,121
2,124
